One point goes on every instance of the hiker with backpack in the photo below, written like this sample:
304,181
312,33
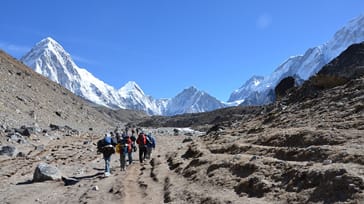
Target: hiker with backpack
120,149
150,145
142,142
106,146
129,148
133,140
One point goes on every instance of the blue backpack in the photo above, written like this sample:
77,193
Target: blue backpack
107,140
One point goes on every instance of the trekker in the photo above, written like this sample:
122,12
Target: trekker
142,142
137,131
150,145
121,142
128,148
133,145
107,147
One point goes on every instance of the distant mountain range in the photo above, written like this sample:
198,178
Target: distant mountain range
50,59
259,90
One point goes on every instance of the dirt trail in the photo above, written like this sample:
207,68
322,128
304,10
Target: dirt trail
77,159
133,192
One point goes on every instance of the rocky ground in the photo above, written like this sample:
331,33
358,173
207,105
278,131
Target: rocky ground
76,158
299,153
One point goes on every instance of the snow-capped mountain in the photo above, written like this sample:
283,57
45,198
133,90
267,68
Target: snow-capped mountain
301,67
191,100
51,60
134,98
241,93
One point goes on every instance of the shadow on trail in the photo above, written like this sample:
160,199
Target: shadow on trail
88,177
25,182
75,179
98,169
68,181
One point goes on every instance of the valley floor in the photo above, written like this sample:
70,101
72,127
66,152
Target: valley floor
188,169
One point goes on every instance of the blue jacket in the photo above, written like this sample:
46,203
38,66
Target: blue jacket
150,141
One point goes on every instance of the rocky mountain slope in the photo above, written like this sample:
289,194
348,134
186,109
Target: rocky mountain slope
29,99
50,59
260,90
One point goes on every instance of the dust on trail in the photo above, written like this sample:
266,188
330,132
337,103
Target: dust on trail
132,189
145,183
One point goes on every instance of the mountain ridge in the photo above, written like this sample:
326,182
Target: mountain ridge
302,66
50,59
257,90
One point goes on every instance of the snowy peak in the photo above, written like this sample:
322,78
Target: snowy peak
251,84
191,93
301,66
50,59
254,81
49,47
192,100
130,87
351,33
48,43
192,90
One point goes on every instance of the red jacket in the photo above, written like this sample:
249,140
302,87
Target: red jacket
142,139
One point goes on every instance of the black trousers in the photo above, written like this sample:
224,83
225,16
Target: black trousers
142,153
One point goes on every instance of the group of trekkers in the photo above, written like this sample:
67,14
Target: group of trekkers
125,143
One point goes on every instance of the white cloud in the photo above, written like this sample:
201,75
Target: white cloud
264,21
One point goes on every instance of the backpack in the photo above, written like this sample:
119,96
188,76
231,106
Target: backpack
127,144
107,140
142,139
105,145
149,140
100,144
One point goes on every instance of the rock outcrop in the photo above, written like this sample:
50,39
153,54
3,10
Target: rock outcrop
45,172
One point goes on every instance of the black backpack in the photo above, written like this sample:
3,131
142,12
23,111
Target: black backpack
105,145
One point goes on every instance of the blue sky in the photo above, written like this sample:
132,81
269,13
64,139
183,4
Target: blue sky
168,45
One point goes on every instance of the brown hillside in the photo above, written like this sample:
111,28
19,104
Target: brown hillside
27,98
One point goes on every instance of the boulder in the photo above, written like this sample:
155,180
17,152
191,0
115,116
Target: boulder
45,172
17,137
8,151
54,127
25,131
284,86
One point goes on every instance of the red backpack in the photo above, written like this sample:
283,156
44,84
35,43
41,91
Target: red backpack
142,139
